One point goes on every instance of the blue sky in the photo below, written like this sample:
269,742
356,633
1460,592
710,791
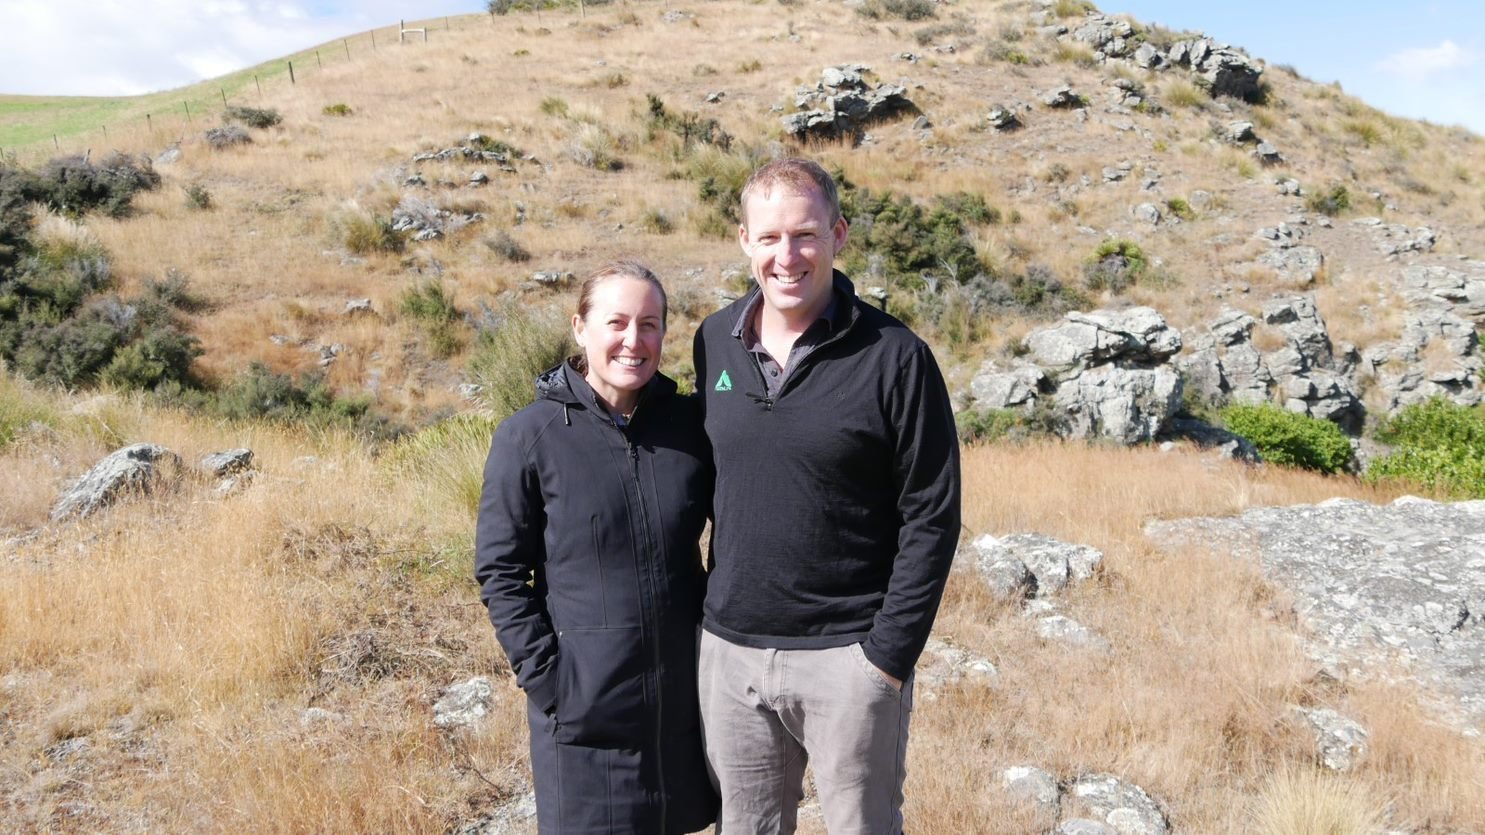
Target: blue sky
1421,59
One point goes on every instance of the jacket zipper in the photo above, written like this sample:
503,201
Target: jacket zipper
652,619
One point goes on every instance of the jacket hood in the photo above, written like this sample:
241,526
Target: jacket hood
563,384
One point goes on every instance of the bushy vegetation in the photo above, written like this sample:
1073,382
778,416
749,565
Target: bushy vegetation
56,326
689,127
253,117
506,359
1332,201
900,9
432,306
1289,438
197,196
1438,445
501,243
73,186
337,109
449,456
902,241
227,136
1116,264
19,409
363,233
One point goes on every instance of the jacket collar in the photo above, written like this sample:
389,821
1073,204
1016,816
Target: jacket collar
842,307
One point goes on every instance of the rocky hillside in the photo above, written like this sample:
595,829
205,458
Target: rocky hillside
234,590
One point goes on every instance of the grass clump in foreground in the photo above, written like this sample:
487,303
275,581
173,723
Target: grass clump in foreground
1438,445
1289,438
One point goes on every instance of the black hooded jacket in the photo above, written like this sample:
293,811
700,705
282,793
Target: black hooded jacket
587,556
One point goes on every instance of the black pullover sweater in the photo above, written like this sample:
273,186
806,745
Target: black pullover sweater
837,500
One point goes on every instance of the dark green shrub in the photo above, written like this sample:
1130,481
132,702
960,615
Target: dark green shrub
1289,438
1180,208
1332,201
259,393
690,127
1438,445
253,117
904,241
159,357
986,425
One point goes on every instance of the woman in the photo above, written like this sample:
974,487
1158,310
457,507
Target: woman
587,557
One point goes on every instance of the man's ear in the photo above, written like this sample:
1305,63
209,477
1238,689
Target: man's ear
839,232
742,239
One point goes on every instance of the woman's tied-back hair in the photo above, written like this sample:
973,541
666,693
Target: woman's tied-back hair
616,269
796,174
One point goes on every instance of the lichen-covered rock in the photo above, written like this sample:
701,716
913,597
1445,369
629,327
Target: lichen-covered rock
138,469
1122,805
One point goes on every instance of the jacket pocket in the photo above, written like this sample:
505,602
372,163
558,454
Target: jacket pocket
600,687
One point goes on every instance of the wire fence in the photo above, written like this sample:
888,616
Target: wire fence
176,117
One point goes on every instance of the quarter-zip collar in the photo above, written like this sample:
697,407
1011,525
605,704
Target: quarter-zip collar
563,384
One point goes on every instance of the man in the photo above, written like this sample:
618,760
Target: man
837,514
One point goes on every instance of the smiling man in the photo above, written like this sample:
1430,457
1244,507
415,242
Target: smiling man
837,515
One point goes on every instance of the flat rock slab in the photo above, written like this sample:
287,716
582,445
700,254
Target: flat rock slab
1404,581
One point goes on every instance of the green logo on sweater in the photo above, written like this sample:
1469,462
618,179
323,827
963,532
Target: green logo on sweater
724,383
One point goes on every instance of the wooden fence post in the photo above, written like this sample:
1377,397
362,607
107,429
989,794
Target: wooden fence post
260,86
187,106
318,63
291,73
223,91
347,45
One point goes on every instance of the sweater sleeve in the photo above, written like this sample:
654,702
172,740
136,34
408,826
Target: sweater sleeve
926,479
508,548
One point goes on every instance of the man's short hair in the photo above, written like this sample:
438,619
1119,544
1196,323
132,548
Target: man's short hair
796,174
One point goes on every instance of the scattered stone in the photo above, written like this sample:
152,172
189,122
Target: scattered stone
943,664
358,306
463,705
1031,784
227,462
1062,97
169,156
1268,154
1003,119
315,716
842,103
1065,630
1147,213
1084,826
1340,743
552,278
479,178
1240,133
135,469
1123,805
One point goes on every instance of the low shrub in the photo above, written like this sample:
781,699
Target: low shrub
253,117
74,185
901,9
1116,265
363,233
501,243
227,136
433,308
337,109
1331,202
197,196
1289,438
449,458
1180,208
1438,445
902,240
657,222
689,127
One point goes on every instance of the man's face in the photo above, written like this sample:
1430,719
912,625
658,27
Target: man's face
791,241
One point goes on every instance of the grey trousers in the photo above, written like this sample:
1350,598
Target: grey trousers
767,712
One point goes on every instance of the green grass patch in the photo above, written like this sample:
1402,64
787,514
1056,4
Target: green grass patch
1438,445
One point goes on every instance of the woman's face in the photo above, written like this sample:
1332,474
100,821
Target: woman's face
621,338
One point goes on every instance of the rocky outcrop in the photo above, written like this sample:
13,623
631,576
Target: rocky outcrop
426,221
1403,582
843,104
134,470
1026,565
1091,804
1102,374
464,704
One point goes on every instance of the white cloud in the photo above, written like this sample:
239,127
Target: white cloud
110,47
1417,64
